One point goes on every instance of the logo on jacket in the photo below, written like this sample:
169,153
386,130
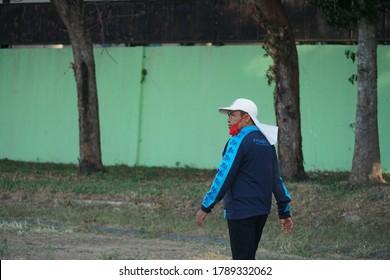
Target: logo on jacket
261,142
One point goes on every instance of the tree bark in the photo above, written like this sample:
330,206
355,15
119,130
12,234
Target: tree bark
366,163
280,45
72,15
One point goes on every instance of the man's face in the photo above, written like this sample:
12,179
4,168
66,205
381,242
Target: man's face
234,117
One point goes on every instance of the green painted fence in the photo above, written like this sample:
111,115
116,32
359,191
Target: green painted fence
169,117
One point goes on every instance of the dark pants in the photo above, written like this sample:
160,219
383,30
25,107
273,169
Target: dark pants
245,235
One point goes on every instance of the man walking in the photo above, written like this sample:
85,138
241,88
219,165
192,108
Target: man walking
247,177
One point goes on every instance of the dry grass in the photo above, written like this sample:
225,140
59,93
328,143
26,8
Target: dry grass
332,220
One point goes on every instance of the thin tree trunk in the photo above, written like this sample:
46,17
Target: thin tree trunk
280,45
366,164
72,15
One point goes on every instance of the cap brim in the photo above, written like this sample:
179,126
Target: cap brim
225,110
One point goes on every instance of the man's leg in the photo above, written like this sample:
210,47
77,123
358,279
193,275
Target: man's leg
260,223
245,235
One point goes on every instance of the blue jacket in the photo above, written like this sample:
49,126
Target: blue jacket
247,176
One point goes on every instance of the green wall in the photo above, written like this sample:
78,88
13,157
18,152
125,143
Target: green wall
170,118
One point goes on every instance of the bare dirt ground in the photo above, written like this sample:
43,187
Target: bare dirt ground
92,246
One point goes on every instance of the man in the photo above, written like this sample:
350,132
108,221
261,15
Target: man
247,177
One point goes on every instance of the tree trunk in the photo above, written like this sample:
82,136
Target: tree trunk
72,15
366,164
280,45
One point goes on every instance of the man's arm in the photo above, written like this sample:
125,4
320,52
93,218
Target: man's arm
283,200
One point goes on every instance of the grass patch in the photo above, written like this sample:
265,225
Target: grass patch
332,220
4,249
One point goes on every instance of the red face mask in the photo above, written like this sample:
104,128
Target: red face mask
233,130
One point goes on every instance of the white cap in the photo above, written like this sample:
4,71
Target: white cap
248,106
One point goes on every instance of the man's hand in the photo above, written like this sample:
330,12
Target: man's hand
200,216
286,225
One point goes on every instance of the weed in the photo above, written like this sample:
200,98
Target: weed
111,256
4,249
